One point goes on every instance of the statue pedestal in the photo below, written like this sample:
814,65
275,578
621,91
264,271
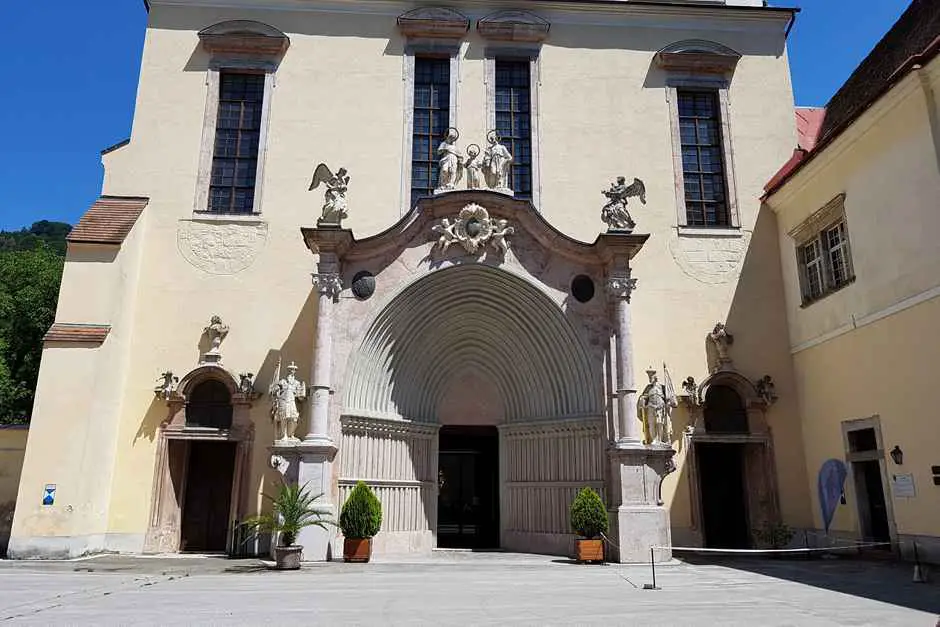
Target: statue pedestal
640,518
311,464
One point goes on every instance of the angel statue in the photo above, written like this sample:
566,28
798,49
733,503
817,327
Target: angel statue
655,406
451,162
334,199
168,384
446,232
615,213
285,394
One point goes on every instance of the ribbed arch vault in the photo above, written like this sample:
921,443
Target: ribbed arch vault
471,318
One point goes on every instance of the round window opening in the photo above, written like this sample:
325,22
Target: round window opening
363,285
582,288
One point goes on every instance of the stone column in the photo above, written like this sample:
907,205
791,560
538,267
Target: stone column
329,286
620,289
310,463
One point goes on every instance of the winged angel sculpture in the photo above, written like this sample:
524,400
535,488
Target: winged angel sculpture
334,199
615,212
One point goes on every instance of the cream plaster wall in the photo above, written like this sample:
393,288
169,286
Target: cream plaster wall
338,98
870,348
877,371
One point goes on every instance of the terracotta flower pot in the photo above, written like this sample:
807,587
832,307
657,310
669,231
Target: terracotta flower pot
288,557
590,550
357,549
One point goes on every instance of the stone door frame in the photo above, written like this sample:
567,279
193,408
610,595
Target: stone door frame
168,497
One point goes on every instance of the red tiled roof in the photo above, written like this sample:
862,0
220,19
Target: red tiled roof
108,221
82,333
809,121
912,42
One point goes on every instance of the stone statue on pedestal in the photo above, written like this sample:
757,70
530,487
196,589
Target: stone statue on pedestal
655,406
497,164
166,388
450,163
334,199
615,213
285,394
474,168
216,331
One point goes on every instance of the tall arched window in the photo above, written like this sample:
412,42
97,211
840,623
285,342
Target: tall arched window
210,405
724,411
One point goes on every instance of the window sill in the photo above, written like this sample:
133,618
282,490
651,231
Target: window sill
214,216
810,301
708,231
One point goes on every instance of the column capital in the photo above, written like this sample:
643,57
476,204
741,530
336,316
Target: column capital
621,286
328,283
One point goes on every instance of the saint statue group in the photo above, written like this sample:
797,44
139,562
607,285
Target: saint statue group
490,168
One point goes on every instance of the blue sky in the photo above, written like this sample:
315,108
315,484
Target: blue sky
73,70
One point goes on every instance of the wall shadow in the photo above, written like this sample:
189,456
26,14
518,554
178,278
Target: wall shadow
887,582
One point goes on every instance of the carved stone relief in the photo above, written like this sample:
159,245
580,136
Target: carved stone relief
711,260
473,229
221,247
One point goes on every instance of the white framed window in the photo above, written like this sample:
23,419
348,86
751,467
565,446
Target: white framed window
243,59
512,81
697,77
823,253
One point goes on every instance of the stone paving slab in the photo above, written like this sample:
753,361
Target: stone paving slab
465,590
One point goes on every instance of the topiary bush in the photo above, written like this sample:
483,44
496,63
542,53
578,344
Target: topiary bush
362,513
588,514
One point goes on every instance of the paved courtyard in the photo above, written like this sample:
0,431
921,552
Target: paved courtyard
463,588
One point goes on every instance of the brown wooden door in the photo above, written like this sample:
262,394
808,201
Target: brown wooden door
208,496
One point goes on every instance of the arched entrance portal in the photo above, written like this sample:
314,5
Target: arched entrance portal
494,360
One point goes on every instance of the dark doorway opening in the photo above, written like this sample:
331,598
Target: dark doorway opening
724,495
468,480
873,511
210,469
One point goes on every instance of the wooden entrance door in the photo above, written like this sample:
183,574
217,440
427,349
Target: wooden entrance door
208,496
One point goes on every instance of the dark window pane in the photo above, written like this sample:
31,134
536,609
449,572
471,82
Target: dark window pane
431,119
237,137
702,158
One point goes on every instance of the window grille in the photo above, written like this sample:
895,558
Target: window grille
237,136
431,120
703,165
514,120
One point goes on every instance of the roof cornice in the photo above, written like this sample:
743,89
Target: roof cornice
626,7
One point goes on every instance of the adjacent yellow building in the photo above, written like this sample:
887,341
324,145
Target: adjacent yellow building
492,314
861,277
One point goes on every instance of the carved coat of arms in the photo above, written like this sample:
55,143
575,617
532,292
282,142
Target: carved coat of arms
473,229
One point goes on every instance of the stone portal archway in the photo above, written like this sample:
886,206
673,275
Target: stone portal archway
462,324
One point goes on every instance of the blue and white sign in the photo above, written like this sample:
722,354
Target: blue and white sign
48,494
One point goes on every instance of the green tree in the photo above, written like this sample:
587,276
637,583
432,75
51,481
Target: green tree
52,234
29,291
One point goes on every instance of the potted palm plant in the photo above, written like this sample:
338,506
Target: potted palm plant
360,520
292,509
589,520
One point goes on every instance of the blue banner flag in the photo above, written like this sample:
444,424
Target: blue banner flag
831,487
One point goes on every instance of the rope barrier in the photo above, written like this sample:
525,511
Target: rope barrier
834,547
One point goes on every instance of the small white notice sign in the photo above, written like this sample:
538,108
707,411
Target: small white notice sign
902,485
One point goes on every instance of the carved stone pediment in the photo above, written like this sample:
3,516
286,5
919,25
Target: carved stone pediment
245,37
698,56
514,26
437,22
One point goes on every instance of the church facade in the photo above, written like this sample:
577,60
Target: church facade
474,256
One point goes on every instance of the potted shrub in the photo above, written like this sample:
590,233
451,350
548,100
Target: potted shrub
589,520
292,509
360,520
773,535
